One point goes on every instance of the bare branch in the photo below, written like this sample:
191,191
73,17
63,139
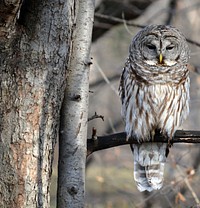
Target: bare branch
102,81
118,20
193,42
186,180
130,23
106,79
131,10
113,140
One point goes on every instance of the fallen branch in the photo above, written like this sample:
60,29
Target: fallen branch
113,140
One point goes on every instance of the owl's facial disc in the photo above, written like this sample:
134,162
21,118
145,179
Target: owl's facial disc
160,51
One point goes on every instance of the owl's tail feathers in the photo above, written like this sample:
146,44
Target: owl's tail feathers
149,161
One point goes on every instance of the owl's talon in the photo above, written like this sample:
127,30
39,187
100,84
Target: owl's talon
170,142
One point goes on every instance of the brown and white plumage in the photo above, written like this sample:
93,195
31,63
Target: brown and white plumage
154,90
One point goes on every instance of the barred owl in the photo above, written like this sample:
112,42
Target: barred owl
154,90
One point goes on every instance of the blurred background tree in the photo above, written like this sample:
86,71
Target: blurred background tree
109,176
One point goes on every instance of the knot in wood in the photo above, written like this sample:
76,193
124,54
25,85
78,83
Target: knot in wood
76,98
73,190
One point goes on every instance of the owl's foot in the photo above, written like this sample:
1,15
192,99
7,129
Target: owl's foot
170,142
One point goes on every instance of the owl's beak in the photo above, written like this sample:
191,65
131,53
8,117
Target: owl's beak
160,58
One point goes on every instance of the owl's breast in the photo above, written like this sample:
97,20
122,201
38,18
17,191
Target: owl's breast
171,104
146,107
159,93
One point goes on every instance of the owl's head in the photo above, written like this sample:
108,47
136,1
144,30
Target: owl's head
160,45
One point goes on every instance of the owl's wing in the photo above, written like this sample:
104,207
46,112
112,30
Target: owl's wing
122,87
125,77
122,92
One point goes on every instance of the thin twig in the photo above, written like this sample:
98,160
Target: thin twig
106,79
102,81
96,116
118,20
192,191
189,186
126,26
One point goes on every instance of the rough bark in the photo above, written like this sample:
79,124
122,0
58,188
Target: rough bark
33,58
9,10
74,113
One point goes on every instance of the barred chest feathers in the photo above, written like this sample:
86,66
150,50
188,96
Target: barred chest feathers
156,106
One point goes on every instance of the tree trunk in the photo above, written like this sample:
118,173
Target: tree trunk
74,113
33,59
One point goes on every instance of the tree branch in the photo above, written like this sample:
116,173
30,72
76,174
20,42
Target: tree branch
130,23
193,42
102,81
118,20
96,116
118,139
130,8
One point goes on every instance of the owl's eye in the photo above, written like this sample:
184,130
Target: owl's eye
170,47
151,46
